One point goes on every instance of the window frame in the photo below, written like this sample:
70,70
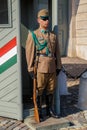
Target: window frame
9,24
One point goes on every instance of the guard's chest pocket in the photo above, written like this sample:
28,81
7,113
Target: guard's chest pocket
40,39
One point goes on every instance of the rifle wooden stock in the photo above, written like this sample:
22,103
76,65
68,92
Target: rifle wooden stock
36,113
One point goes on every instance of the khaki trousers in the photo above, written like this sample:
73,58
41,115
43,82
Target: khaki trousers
46,81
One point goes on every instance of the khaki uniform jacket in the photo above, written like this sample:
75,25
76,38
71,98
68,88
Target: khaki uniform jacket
45,64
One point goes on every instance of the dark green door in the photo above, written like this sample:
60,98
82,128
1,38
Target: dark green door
63,25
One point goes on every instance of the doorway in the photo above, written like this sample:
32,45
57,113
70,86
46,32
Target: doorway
29,9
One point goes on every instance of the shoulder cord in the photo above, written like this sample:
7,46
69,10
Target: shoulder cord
39,46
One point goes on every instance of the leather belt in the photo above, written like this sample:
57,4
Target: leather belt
45,55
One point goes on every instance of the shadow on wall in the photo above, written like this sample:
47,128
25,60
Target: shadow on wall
73,8
55,29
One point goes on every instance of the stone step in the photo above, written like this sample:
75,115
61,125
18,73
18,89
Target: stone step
48,124
28,112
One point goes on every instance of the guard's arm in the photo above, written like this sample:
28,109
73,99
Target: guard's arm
30,53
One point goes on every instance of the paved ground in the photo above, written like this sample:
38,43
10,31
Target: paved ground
10,124
74,67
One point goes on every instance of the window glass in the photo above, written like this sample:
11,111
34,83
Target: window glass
5,13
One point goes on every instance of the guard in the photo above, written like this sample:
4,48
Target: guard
42,50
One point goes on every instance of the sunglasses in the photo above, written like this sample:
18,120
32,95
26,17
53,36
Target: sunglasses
44,18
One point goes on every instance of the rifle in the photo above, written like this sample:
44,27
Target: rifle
36,113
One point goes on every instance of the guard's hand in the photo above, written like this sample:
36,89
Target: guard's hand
57,71
31,74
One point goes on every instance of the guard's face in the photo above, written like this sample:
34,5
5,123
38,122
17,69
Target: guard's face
43,22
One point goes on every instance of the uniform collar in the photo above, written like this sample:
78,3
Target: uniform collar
44,31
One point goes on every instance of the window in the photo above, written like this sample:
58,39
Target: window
5,13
